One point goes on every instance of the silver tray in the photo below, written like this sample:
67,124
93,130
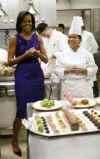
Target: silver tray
31,126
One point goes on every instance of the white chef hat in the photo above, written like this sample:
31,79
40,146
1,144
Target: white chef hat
75,28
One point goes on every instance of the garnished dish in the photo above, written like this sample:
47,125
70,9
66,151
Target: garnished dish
47,105
84,103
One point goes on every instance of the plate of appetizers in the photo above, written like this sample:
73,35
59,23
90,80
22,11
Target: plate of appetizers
84,103
59,123
47,105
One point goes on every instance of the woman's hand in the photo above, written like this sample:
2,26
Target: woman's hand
10,62
31,52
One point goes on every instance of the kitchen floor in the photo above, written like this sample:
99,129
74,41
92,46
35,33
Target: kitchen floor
6,149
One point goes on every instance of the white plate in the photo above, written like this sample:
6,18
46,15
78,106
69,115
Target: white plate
37,106
91,104
97,100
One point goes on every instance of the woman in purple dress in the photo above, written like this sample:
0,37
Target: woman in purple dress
27,48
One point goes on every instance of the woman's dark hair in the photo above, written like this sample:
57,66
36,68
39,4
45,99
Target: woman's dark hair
41,27
20,18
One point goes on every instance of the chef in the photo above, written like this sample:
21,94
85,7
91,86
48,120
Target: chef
76,66
88,40
89,43
54,41
61,28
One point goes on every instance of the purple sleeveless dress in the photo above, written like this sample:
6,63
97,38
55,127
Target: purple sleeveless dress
29,78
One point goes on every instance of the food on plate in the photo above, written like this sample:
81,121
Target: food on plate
6,71
84,101
83,126
40,128
92,118
52,124
38,119
45,125
39,123
60,122
72,119
98,117
95,115
47,103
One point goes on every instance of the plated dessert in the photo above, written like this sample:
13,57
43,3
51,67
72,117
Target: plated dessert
84,103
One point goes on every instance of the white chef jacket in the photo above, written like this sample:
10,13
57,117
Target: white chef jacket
88,42
79,85
3,55
56,43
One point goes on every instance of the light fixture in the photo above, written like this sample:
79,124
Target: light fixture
2,11
32,8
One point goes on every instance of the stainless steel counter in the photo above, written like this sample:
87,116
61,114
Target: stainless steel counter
8,100
7,104
67,147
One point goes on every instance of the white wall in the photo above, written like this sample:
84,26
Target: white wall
85,4
72,4
48,11
63,4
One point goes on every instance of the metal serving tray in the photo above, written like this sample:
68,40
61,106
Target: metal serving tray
30,124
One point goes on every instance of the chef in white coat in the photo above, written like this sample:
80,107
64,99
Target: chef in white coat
89,43
54,41
88,40
75,66
61,28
